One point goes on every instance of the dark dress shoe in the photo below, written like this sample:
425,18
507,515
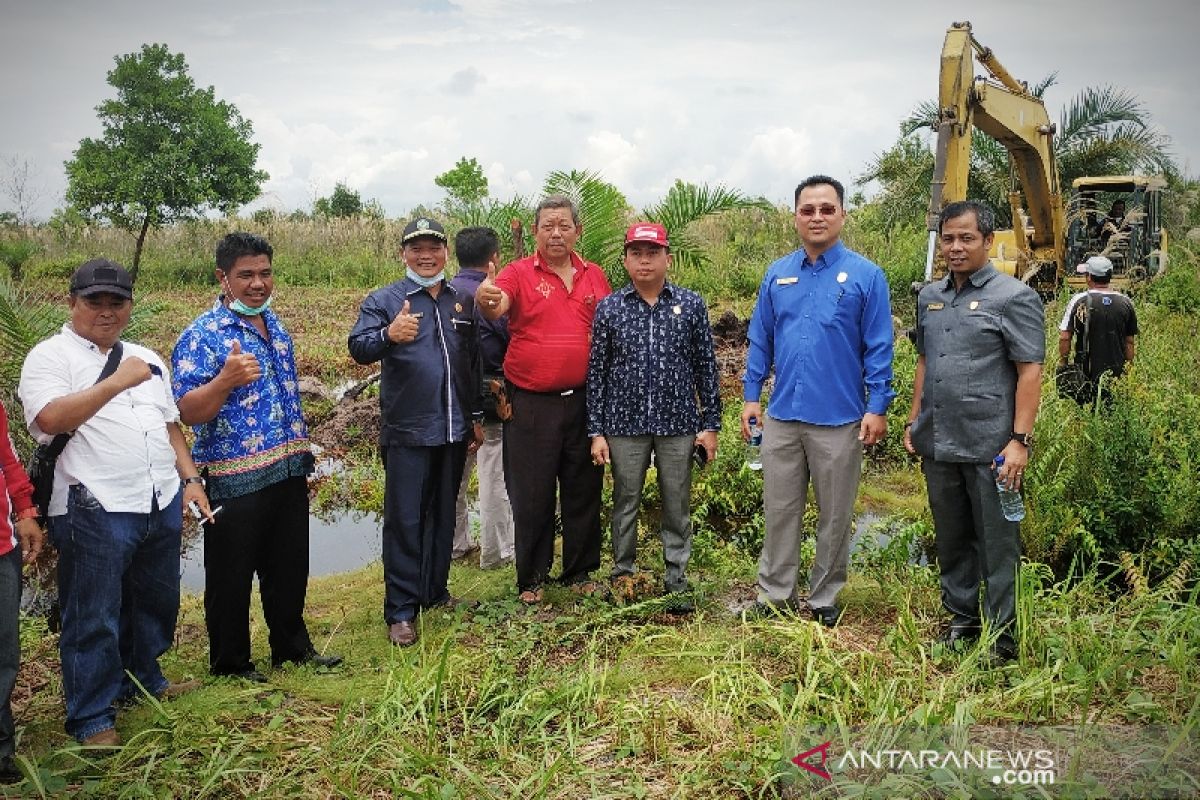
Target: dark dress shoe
998,655
452,603
250,675
311,657
9,773
827,615
958,636
402,634
680,603
763,609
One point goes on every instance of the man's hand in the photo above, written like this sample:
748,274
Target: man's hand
750,410
240,369
709,440
1012,471
32,537
476,437
600,450
194,493
489,297
872,429
132,372
404,327
908,445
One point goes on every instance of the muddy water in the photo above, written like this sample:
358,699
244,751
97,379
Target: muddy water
341,543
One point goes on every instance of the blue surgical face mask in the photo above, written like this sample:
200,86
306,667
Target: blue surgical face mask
237,306
422,281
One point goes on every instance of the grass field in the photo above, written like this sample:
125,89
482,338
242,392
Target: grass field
588,698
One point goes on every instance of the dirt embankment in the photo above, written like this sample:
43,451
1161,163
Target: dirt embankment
354,421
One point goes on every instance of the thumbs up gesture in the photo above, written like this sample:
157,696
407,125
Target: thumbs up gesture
240,369
404,327
489,297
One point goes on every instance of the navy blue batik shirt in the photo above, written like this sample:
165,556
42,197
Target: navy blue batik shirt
651,369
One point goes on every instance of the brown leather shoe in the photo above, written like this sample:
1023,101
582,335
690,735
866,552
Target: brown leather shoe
402,634
105,738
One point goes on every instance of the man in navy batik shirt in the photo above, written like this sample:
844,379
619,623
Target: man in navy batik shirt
652,388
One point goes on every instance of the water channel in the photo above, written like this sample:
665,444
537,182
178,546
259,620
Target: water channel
342,542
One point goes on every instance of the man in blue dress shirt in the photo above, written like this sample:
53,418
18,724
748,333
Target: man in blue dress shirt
652,388
823,323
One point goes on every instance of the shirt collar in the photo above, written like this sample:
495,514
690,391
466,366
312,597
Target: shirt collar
576,261
826,259
629,290
977,279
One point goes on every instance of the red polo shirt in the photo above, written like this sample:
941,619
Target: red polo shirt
551,329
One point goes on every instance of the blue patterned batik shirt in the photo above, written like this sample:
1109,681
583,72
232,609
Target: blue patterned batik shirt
651,369
258,437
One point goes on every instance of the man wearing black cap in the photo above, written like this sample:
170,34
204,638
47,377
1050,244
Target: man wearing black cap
115,511
423,331
1102,322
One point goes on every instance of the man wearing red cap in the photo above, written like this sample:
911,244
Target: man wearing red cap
652,388
550,299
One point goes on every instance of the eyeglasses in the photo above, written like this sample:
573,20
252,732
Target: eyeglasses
826,210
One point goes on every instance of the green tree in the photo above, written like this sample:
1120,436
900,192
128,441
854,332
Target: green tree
169,150
465,184
687,203
1102,131
343,202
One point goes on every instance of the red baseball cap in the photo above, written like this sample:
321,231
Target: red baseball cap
650,232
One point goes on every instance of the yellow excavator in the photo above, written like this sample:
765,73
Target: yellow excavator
1049,235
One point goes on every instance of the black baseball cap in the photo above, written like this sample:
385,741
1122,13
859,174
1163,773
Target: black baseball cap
423,226
100,276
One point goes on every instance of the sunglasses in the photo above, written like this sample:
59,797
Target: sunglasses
811,211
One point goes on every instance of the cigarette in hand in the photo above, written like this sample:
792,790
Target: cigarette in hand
198,514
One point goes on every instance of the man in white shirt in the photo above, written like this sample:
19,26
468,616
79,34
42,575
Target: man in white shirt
115,512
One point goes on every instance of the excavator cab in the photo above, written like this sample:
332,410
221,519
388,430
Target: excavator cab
1120,218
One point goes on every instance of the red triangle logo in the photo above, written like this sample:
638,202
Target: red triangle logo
819,770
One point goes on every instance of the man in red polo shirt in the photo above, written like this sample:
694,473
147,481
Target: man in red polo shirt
550,299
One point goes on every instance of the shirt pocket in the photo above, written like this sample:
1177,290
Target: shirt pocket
841,305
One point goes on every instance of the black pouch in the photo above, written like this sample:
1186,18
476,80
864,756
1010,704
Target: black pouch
41,475
1072,383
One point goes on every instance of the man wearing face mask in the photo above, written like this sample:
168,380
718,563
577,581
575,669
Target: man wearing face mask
422,329
235,384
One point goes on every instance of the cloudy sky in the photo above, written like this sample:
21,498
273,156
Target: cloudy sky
754,94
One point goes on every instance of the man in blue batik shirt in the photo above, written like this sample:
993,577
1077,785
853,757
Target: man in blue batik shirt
235,384
823,322
652,388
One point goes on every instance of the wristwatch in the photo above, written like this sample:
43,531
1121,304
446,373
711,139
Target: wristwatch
1024,438
193,479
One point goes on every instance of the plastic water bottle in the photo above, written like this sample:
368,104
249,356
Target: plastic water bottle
754,446
1011,504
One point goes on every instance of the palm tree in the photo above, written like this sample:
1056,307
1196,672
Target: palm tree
1101,131
606,213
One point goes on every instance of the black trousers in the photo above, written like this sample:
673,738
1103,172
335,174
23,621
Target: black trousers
975,543
546,446
264,532
421,488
